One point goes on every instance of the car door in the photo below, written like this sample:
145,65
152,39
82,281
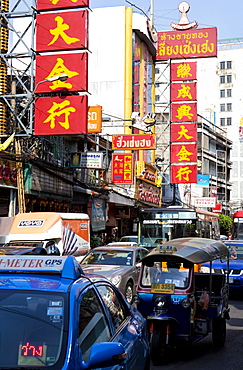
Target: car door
128,329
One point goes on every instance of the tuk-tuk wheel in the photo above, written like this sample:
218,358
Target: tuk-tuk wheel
158,348
219,332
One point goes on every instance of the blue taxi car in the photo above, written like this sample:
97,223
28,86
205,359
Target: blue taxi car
55,317
235,265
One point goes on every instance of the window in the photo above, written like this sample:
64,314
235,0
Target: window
229,121
229,65
222,65
229,79
116,309
222,79
222,93
222,121
229,107
222,107
93,326
229,93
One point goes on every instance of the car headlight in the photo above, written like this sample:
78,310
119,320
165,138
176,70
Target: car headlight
186,302
205,269
136,299
159,301
116,280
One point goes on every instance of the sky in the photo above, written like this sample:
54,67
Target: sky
226,15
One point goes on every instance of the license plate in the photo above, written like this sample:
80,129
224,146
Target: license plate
231,280
162,288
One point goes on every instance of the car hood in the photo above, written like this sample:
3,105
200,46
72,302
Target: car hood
105,270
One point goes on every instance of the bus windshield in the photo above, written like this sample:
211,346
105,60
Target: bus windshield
158,225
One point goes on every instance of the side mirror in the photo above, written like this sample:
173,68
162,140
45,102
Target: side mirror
105,354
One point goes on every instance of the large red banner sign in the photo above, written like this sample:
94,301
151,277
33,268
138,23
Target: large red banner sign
122,168
196,43
73,65
182,112
185,91
183,174
186,132
133,142
183,153
66,115
61,4
183,71
61,31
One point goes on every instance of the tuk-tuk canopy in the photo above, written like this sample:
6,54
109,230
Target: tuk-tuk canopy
195,250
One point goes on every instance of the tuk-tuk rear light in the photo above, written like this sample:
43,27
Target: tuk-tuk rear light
159,301
186,302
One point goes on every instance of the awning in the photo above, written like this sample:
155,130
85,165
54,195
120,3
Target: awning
120,199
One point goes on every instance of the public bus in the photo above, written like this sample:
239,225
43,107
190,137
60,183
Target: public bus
158,225
237,233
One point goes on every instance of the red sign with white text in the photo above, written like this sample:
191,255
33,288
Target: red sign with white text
183,153
193,43
183,174
186,132
61,31
182,112
74,65
61,4
183,91
133,142
184,71
122,168
66,115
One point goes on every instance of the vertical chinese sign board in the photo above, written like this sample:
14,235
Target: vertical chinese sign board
61,34
122,168
185,44
183,133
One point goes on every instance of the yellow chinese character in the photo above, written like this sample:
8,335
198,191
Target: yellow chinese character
60,69
184,92
58,110
183,70
183,154
183,132
184,111
183,173
59,31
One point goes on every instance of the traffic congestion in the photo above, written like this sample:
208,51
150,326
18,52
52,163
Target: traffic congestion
119,306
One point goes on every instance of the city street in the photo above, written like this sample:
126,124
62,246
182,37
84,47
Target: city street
201,356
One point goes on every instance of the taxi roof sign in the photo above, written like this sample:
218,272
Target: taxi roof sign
67,266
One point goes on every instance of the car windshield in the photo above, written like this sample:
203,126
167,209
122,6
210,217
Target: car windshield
166,273
235,251
31,330
109,257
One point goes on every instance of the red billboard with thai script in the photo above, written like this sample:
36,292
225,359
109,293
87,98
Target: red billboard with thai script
184,91
62,31
65,115
184,71
73,65
122,168
193,43
182,112
183,174
183,132
61,4
183,153
134,142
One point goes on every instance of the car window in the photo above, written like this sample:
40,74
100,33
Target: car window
140,253
117,310
93,325
109,257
